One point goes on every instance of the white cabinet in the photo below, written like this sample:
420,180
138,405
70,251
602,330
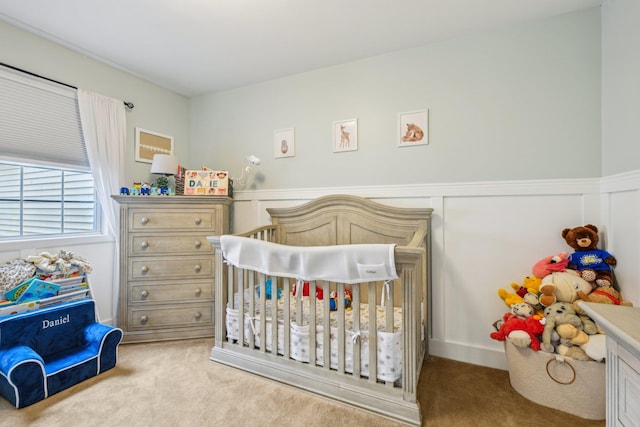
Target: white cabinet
622,327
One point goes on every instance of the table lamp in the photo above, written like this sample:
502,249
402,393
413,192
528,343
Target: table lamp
166,165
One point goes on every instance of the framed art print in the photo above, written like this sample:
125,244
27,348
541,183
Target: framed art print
413,128
149,143
284,143
345,135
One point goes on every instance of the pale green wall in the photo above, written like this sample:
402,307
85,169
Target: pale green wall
156,109
620,86
514,103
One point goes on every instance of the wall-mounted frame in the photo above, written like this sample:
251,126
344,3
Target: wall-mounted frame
149,143
345,135
413,128
284,144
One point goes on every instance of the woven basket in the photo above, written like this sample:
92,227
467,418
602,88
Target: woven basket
573,386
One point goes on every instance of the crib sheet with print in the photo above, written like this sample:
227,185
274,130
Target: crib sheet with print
389,341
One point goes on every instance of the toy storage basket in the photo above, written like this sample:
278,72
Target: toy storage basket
573,386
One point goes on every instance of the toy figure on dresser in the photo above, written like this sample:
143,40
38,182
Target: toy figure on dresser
593,264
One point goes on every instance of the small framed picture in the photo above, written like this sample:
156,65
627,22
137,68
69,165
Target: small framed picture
413,128
345,135
149,143
284,143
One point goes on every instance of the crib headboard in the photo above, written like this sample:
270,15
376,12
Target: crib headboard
347,219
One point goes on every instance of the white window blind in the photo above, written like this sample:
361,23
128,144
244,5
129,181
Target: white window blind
46,185
39,122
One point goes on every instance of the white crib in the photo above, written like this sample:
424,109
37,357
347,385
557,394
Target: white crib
366,345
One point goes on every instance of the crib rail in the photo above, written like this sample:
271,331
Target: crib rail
261,326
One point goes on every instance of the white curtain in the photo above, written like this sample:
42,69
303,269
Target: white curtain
104,130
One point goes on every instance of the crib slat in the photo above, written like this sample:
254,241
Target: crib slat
373,334
326,325
273,302
286,315
239,289
341,327
251,281
389,306
312,323
355,308
263,313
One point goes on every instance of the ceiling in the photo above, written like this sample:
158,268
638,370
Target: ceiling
198,46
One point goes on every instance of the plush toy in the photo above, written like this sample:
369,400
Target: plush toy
601,295
305,290
593,264
550,264
521,332
64,262
596,347
333,302
15,272
562,286
529,292
557,314
509,298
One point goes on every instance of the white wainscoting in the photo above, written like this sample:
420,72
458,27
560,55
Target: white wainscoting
484,236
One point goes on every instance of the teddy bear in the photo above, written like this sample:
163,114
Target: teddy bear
550,264
593,264
522,332
562,286
557,314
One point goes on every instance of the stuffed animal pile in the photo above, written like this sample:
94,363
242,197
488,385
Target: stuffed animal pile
543,312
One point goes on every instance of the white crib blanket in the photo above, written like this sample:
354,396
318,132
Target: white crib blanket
350,264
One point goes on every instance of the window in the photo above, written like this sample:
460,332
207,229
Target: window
46,187
45,201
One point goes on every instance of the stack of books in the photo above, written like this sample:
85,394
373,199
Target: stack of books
36,293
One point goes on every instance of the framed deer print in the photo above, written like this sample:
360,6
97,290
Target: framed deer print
345,135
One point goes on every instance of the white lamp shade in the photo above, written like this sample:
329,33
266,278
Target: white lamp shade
164,164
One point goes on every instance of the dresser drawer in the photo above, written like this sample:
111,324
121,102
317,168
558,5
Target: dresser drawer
166,243
173,219
166,268
188,315
183,291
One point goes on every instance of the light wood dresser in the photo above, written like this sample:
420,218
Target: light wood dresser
622,328
167,265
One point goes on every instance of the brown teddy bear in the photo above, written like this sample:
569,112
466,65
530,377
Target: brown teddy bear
593,264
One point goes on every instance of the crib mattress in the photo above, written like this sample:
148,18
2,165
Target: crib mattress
389,344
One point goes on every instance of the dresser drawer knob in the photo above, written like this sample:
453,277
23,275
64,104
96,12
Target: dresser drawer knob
143,318
198,221
144,220
197,315
144,245
198,268
144,269
197,244
144,293
198,292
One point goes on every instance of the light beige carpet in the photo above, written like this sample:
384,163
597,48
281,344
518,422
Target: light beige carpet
175,384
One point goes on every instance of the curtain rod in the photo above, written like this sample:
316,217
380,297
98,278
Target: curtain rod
127,104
